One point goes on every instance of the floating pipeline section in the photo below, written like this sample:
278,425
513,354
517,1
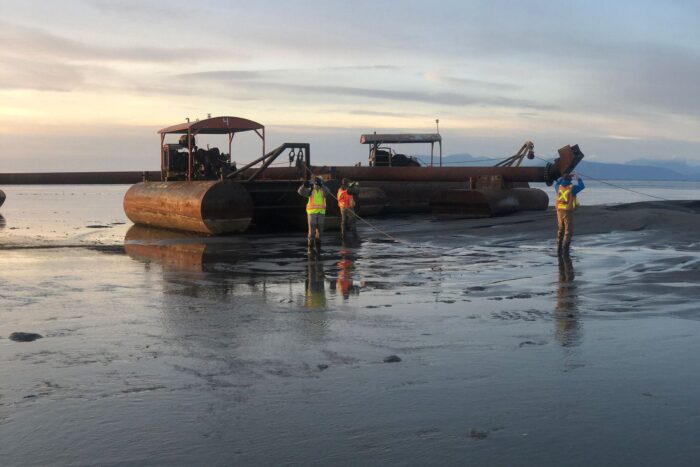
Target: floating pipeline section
405,174
409,174
2,197
370,201
77,178
456,204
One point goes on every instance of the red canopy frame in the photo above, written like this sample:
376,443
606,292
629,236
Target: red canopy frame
210,126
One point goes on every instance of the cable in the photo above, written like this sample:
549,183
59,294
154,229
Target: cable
485,159
614,185
390,237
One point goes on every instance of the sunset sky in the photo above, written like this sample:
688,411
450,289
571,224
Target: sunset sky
84,85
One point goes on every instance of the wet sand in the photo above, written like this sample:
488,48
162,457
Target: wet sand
170,349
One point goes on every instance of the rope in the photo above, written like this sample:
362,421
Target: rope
485,159
614,185
390,237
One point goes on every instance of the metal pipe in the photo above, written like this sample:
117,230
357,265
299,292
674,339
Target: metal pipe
268,160
76,178
412,174
162,165
189,155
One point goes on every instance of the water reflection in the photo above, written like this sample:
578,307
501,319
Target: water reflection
315,296
566,314
273,268
345,284
2,222
178,251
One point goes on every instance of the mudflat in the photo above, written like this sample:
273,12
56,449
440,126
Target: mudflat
466,342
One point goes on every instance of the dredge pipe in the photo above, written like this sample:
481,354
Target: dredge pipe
410,174
77,178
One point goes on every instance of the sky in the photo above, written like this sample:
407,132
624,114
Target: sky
85,84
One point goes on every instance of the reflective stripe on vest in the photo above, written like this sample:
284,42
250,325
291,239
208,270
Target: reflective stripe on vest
566,200
344,199
317,202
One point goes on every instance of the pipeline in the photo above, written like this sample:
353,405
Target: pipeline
77,178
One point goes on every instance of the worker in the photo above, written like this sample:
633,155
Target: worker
315,212
346,202
565,204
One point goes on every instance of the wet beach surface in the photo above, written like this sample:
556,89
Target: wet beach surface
159,348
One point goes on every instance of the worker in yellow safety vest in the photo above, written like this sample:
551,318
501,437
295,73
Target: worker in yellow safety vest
315,212
346,202
566,204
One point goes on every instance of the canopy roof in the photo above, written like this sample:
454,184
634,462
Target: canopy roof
214,126
402,138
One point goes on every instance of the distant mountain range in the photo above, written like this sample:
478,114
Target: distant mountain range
638,169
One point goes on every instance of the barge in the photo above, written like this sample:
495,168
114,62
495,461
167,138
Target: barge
201,190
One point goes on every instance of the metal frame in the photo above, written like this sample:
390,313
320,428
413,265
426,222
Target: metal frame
375,140
269,158
216,125
527,149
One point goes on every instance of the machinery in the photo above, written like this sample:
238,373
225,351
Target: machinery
201,190
383,156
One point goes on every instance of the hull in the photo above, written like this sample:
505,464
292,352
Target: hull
214,208
278,206
453,204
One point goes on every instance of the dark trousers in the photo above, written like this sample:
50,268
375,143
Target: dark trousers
315,228
565,228
347,222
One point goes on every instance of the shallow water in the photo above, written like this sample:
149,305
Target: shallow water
243,351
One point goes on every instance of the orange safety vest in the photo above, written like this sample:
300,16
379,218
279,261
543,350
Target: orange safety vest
566,200
345,199
317,202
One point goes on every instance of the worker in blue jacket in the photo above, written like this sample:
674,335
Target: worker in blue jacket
566,204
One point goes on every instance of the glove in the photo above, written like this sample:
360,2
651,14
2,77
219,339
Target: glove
307,184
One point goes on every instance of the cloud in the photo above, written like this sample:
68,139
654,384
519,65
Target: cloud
133,8
381,113
244,75
253,80
22,41
224,75
16,73
427,97
472,83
